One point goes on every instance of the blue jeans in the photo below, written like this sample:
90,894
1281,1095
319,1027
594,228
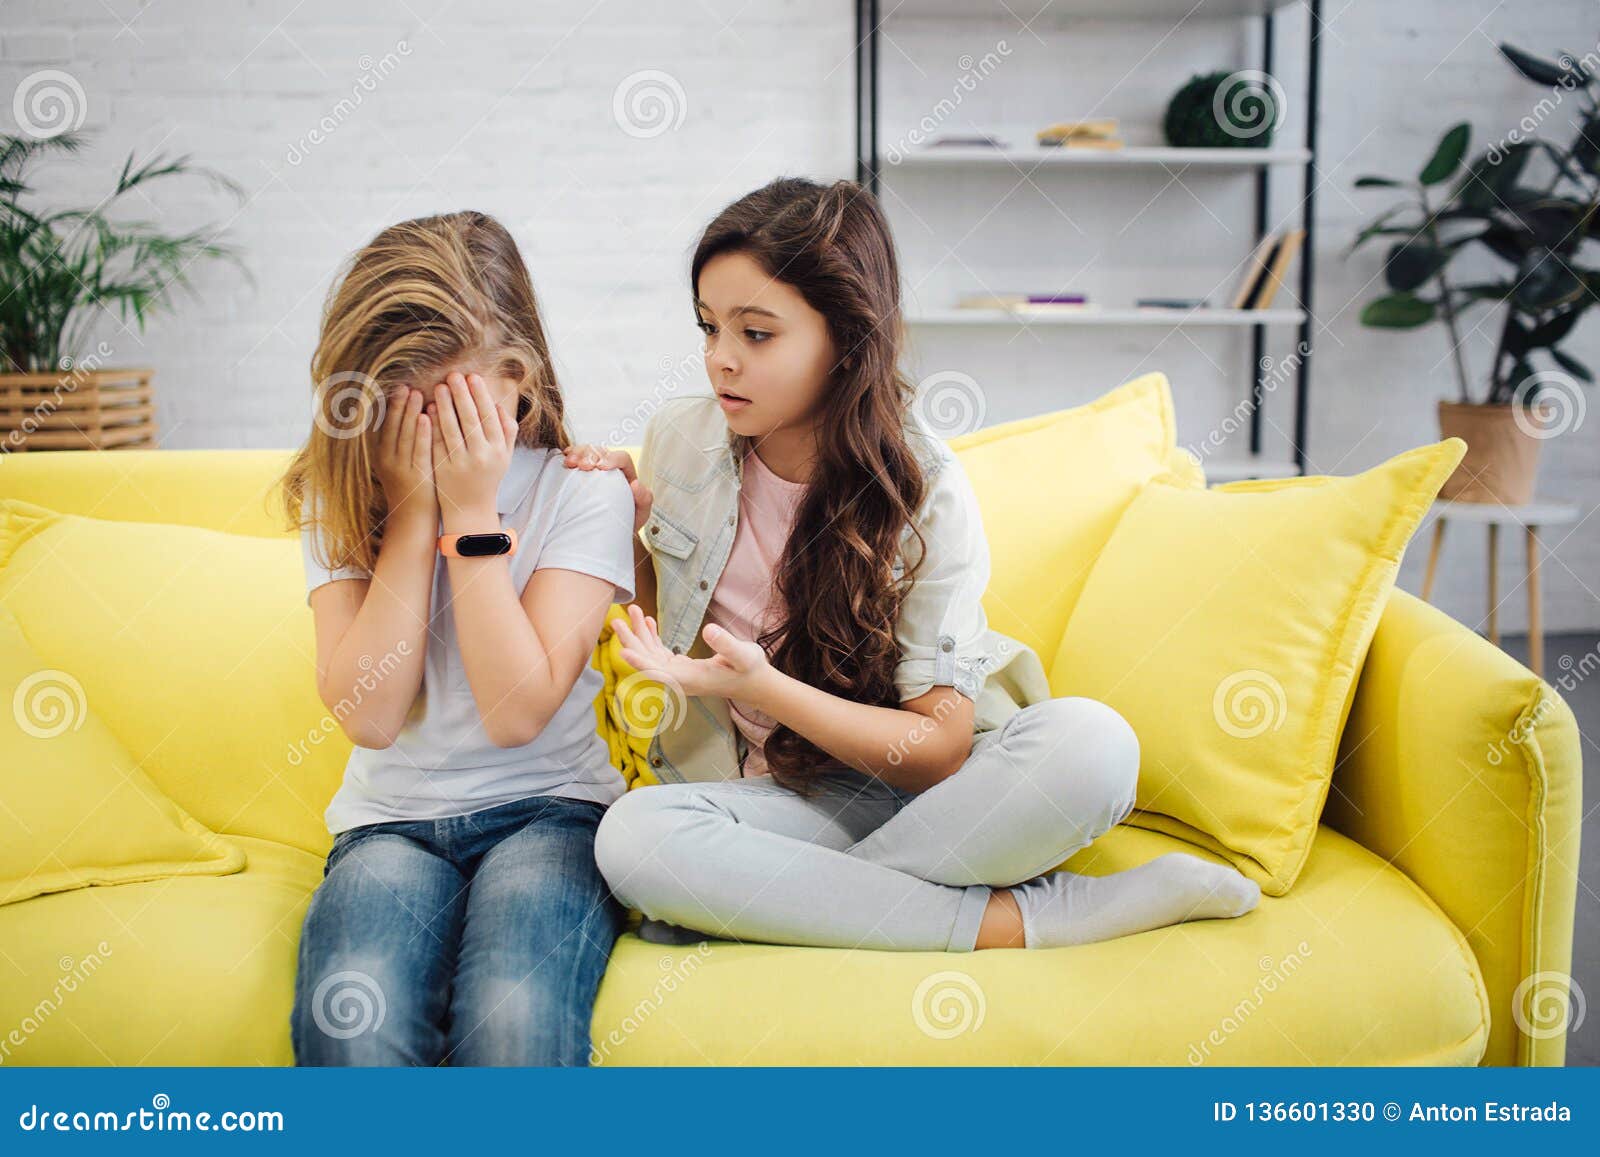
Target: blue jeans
477,939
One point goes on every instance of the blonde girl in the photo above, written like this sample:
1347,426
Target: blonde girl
460,917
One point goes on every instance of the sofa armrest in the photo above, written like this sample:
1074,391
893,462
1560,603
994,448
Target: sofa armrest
1463,769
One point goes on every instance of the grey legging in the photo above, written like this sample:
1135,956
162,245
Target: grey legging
864,864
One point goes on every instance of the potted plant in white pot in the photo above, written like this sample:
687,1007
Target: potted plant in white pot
58,269
1540,229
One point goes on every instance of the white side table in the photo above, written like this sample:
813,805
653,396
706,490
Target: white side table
1530,518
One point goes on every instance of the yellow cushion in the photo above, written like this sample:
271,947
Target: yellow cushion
1356,967
194,970
76,809
197,651
1228,626
1051,489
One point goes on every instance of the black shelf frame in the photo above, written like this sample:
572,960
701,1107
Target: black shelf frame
869,173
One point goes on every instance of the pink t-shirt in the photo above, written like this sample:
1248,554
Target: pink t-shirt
744,600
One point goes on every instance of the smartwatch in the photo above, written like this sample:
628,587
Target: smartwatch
477,545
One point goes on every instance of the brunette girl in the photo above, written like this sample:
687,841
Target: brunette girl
849,757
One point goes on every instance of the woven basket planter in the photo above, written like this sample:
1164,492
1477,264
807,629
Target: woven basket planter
77,410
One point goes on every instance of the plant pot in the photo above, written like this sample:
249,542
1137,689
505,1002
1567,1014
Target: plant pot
1502,455
76,410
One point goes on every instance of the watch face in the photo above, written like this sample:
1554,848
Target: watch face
478,545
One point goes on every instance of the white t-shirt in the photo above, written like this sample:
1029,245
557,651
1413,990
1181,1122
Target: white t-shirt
443,763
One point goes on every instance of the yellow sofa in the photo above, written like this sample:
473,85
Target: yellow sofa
1435,908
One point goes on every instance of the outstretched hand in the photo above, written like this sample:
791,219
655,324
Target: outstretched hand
730,673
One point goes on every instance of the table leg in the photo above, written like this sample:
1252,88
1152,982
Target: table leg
1433,558
1494,583
1535,625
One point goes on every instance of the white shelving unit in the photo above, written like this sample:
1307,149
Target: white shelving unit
1060,163
968,156
1100,316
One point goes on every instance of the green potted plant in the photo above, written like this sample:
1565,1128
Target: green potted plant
1539,230
58,269
1224,110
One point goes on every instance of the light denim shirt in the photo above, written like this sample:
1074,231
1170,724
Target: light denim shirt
443,763
689,463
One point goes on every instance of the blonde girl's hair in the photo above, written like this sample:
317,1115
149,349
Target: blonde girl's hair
420,297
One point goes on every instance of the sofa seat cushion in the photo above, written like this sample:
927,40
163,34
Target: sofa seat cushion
190,970
1356,966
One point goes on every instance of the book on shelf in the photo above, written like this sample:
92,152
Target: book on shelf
1083,143
992,301
1278,268
1061,304
966,141
1023,301
1172,303
1081,134
1266,268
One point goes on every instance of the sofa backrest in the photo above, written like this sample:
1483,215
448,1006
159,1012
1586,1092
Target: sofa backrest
229,490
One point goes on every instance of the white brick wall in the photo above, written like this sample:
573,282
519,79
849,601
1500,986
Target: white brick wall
504,107
507,107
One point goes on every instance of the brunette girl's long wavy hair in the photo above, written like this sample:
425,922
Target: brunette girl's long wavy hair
837,596
420,297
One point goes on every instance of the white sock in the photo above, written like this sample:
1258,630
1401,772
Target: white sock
1063,908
